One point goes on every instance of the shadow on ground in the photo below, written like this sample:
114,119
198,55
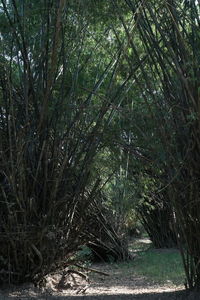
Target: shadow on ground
180,295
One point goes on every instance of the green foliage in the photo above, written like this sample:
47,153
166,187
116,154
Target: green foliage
84,254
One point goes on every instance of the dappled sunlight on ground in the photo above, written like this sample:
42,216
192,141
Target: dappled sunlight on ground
121,282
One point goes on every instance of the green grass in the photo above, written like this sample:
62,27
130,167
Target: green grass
158,266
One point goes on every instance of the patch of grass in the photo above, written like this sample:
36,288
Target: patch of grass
162,266
159,267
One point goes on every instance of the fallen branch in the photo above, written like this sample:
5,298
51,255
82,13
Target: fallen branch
92,270
77,273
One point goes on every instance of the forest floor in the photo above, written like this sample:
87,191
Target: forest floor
120,282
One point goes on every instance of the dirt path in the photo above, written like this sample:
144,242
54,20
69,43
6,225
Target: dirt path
117,286
121,284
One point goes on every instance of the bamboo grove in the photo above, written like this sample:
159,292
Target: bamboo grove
99,111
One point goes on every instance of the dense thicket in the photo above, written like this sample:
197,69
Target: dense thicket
97,95
57,91
169,32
